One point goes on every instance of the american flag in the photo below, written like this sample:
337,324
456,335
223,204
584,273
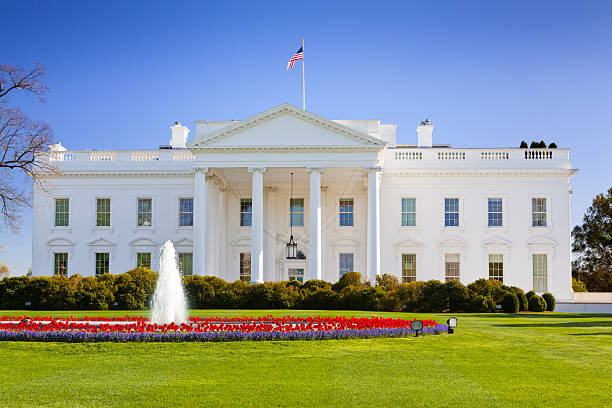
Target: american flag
297,56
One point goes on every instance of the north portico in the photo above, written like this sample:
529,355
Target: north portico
359,201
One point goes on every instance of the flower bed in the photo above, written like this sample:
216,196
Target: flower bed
94,329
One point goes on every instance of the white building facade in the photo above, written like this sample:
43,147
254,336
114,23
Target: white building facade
359,202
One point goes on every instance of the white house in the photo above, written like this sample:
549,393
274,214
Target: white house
360,202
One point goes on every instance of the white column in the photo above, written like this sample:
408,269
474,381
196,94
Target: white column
221,244
257,261
314,256
211,221
373,244
200,208
270,236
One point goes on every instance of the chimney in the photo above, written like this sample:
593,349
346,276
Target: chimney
179,135
424,131
57,147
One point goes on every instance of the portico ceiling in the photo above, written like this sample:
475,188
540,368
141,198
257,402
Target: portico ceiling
282,175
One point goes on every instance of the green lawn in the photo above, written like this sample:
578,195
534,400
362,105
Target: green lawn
493,360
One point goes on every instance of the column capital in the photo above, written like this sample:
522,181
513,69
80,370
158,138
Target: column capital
373,168
202,170
317,169
261,170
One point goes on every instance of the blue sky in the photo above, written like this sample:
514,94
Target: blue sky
486,73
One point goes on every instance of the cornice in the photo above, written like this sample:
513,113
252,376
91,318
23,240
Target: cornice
105,173
481,172
285,148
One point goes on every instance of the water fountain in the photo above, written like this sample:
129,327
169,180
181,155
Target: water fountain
169,303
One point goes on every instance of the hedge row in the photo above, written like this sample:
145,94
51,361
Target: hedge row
132,291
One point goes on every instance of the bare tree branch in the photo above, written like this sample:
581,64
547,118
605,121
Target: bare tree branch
14,78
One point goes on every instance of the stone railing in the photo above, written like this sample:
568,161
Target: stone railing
96,156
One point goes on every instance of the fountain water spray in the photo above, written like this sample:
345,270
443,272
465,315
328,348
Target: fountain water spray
169,304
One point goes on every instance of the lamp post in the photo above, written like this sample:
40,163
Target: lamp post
292,251
452,323
416,326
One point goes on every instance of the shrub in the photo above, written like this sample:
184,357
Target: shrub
316,284
387,282
553,145
542,144
510,303
523,304
578,285
483,287
550,301
523,145
530,294
348,279
480,304
534,145
435,296
458,296
537,304
410,296
319,298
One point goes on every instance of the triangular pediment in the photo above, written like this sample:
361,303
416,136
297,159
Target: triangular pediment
542,241
496,242
454,242
59,242
286,126
410,243
183,242
142,242
101,242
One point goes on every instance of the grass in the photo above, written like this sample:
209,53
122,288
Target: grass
493,360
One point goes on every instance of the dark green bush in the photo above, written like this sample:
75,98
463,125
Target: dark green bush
537,304
348,279
550,301
523,145
435,296
387,282
480,304
523,304
530,294
510,303
410,296
578,285
534,145
553,145
458,296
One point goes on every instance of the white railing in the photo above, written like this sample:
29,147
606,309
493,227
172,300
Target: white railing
410,155
182,155
103,156
62,156
146,155
492,155
451,155
539,154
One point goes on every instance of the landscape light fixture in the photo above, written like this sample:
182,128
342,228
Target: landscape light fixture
416,326
452,323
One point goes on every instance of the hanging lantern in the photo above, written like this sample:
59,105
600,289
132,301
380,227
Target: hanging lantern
292,252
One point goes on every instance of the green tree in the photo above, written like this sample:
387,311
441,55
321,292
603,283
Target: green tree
593,245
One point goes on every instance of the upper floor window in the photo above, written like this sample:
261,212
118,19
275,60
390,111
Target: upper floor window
408,268
346,212
408,212
103,212
538,212
145,212
246,212
143,260
296,212
496,267
540,272
62,212
495,215
185,260
346,263
451,267
451,212
186,212
60,263
102,263
245,266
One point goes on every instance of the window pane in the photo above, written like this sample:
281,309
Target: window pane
538,212
186,212
186,263
296,274
143,260
346,212
496,267
296,212
540,272
451,212
408,268
495,212
245,266
408,212
62,216
346,263
145,212
60,263
246,212
102,263
451,266
103,212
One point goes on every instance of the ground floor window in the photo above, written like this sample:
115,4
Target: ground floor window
245,266
408,268
143,260
102,263
346,263
540,272
296,274
60,263
451,267
185,263
496,267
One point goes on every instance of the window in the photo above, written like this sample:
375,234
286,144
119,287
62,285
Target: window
246,212
102,263
496,267
346,212
495,212
143,260
103,212
296,274
186,212
451,266
408,268
296,212
245,266
451,212
185,260
145,212
408,212
346,263
60,263
62,212
538,212
540,272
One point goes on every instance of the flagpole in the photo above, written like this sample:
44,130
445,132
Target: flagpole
303,83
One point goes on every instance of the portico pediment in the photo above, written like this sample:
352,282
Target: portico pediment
286,126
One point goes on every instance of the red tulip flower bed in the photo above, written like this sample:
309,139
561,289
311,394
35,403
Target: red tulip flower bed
205,329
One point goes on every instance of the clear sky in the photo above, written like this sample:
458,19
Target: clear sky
487,73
